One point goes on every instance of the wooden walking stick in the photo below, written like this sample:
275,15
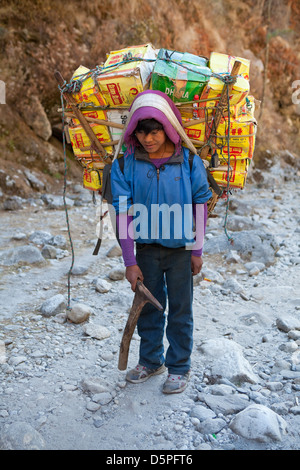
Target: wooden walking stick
141,297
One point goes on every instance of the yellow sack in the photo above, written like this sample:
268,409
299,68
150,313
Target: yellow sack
89,91
92,179
196,132
81,143
241,138
238,170
223,63
120,83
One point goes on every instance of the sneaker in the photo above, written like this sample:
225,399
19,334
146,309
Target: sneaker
176,383
142,373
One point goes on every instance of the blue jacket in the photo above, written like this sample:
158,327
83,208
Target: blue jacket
160,200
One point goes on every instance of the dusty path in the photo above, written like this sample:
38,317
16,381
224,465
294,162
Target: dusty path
62,387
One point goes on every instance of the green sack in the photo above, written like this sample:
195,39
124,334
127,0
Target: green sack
182,76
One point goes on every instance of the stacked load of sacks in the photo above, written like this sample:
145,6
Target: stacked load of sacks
194,83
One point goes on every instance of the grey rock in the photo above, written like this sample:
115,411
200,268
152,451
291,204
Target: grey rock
13,203
21,436
212,275
34,180
289,347
233,285
79,313
102,286
16,360
224,359
56,202
254,266
202,412
92,406
203,446
49,252
295,410
211,426
94,386
294,334
114,251
40,237
290,374
232,257
227,405
287,323
37,118
117,274
102,398
96,331
54,305
221,389
240,222
259,423
26,254
274,386
280,408
78,270
253,245
59,241
19,236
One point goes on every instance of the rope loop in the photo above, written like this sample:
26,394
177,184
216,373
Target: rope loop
74,86
229,79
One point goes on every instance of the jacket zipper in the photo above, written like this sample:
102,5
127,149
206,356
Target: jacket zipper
157,221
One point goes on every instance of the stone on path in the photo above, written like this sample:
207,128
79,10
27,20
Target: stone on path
102,286
21,436
224,358
96,331
259,423
287,323
117,274
21,255
79,313
54,305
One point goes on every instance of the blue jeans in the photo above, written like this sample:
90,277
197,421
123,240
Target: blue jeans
168,276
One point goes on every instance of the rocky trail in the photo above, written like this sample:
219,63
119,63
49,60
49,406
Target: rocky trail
60,385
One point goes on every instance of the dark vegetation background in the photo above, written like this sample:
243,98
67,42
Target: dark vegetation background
39,37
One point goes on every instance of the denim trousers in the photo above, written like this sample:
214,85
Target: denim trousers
168,276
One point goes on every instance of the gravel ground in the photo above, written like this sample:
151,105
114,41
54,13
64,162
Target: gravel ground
60,384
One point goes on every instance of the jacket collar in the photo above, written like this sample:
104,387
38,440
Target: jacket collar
141,154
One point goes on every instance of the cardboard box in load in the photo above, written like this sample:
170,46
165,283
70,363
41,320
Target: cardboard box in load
119,117
238,170
212,93
121,82
223,63
92,114
181,76
196,132
81,144
244,111
89,91
241,138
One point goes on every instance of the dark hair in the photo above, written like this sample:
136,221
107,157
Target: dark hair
148,125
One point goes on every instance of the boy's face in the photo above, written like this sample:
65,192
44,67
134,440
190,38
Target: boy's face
153,142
